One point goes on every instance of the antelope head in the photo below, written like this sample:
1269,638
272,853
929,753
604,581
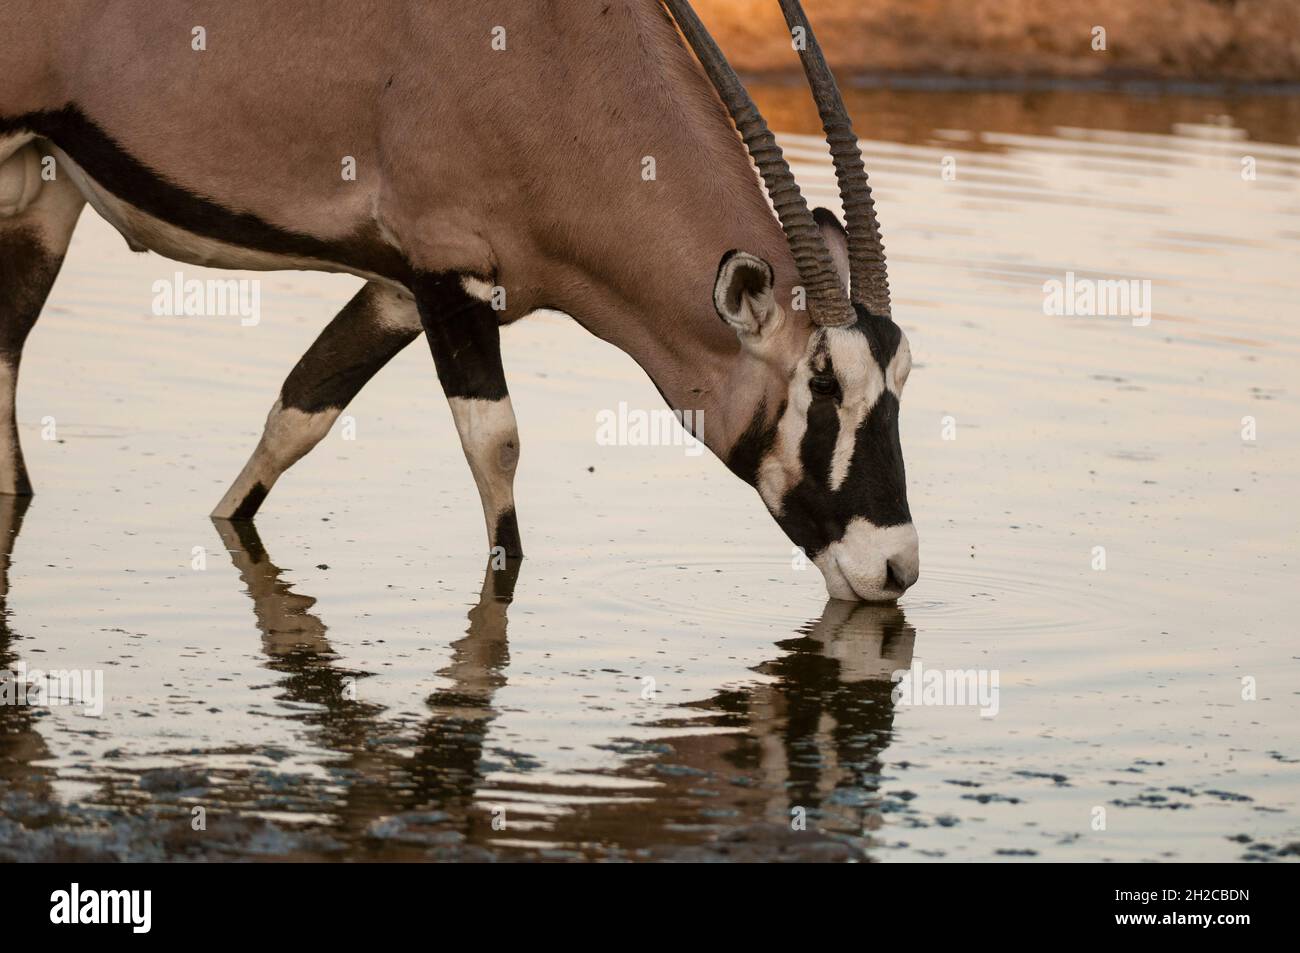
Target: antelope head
829,467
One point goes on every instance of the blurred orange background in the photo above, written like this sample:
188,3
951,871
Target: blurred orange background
1190,40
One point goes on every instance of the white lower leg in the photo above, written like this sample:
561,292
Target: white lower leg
490,439
289,434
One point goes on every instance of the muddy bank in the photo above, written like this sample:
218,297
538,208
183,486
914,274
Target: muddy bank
1185,40
165,834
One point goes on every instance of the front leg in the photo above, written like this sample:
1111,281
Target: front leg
465,338
369,332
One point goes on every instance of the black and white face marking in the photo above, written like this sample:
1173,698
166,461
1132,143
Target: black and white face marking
834,476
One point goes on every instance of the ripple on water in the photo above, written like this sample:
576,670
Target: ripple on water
757,595
767,597
978,600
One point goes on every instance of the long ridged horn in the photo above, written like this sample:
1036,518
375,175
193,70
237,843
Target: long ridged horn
827,305
868,281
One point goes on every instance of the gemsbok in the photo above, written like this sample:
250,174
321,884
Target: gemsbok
498,150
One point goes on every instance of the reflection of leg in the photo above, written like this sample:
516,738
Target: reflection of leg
22,747
479,660
370,330
449,768
12,511
324,693
284,617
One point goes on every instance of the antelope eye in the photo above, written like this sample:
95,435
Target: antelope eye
824,385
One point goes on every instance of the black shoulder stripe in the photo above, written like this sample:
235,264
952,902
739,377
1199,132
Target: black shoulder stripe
135,183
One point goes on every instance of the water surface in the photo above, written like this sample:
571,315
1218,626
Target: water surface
657,679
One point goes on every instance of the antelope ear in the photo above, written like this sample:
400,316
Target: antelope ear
837,242
743,294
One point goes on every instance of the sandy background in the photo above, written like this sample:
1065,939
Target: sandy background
1198,40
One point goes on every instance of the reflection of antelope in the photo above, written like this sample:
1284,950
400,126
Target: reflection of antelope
811,735
501,154
816,725
444,768
825,719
